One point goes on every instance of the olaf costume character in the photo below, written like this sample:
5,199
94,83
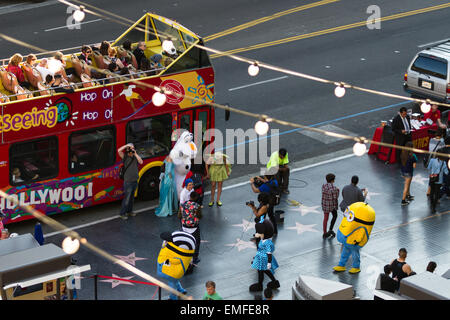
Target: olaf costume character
181,154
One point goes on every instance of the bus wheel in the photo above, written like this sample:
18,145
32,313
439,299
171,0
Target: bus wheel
149,185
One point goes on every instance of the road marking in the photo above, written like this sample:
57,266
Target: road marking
66,27
431,43
314,125
265,19
328,31
257,83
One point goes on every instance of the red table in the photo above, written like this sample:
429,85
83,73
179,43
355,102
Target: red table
420,139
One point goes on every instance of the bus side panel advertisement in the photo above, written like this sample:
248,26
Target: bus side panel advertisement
55,196
104,105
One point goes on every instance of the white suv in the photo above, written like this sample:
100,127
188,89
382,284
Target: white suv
428,75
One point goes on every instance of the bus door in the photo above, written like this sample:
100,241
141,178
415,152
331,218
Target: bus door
203,117
185,120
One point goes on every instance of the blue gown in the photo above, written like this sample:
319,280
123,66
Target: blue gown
168,198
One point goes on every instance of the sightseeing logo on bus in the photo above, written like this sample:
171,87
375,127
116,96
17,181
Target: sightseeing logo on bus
49,116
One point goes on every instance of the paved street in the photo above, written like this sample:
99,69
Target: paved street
318,41
226,252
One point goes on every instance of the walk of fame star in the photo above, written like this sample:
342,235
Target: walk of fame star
130,259
304,210
246,225
115,283
301,228
241,244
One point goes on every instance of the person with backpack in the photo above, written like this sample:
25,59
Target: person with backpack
268,184
130,160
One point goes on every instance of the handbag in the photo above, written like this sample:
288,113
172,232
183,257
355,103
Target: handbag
434,178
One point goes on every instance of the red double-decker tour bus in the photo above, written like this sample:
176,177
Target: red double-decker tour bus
58,150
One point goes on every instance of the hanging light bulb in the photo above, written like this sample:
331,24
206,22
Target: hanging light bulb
261,127
159,98
425,107
70,246
253,69
79,14
359,149
339,91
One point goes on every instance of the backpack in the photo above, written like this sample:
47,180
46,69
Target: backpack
275,192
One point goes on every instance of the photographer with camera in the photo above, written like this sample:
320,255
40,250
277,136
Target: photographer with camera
130,160
262,209
268,184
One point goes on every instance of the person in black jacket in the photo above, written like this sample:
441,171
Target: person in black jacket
139,53
401,126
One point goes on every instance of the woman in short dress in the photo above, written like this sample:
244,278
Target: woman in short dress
408,163
218,169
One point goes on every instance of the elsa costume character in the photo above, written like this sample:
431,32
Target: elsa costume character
168,197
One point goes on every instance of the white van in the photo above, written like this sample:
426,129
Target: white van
428,75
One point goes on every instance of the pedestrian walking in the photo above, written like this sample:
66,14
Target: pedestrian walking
330,195
351,193
130,160
436,168
218,169
408,162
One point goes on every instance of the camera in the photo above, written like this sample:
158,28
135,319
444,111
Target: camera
249,203
257,182
128,150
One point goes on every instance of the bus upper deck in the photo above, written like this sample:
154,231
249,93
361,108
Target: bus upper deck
167,46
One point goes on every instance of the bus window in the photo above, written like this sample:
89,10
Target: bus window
203,117
185,121
151,136
91,149
33,161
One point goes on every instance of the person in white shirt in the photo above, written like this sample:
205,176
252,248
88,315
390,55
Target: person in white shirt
43,69
186,191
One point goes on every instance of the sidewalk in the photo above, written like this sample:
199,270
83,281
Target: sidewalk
226,252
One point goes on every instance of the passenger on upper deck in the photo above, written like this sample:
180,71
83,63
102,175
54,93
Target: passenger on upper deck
104,47
42,67
139,53
86,51
15,69
112,58
57,65
31,60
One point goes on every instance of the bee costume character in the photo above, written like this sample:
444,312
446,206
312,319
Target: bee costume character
175,257
264,261
354,233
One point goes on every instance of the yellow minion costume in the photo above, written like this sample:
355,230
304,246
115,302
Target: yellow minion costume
174,258
354,233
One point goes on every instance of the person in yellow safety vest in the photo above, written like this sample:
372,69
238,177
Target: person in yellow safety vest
278,166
